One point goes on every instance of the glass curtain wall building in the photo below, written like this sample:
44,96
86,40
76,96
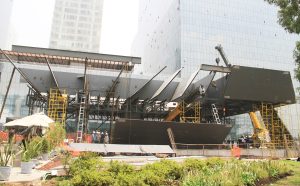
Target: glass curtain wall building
184,33
15,105
76,25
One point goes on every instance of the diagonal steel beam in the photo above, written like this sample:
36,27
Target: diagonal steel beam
52,74
85,83
115,83
22,74
135,96
7,90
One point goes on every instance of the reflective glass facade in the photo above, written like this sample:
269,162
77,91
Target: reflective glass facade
247,30
16,99
184,33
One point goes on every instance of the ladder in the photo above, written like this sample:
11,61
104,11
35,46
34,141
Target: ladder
81,118
215,113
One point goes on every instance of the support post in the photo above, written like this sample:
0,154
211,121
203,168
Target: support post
7,90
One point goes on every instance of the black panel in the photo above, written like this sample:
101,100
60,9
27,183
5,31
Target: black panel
263,85
155,132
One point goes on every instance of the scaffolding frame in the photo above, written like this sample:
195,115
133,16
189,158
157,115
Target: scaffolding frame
190,112
279,134
57,105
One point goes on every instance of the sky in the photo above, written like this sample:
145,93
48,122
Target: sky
31,24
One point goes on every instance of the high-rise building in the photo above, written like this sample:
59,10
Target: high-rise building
76,25
184,33
5,18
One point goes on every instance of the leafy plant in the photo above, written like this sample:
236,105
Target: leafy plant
117,167
55,135
86,161
32,150
6,153
193,164
66,160
45,147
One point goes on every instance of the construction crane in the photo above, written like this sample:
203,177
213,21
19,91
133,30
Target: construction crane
219,48
261,135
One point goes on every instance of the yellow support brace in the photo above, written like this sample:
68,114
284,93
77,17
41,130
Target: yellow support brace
175,112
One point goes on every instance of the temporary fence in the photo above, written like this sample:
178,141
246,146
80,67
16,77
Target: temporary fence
249,150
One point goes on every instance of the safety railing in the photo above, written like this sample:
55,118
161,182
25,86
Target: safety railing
245,150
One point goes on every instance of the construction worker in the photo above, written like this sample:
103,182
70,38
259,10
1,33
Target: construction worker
106,138
11,134
94,138
98,137
202,90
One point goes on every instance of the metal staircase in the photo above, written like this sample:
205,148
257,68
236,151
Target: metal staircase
215,113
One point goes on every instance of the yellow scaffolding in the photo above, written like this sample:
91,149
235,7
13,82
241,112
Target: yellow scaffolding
57,105
279,134
194,116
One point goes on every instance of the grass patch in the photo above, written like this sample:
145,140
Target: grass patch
294,178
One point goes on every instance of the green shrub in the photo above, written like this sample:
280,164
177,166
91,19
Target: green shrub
55,135
45,147
65,183
192,164
248,178
202,180
149,177
93,178
89,169
166,169
131,179
33,149
117,167
86,161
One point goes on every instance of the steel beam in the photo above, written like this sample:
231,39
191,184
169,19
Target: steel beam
22,74
52,74
135,95
165,84
115,82
77,54
215,68
7,90
85,88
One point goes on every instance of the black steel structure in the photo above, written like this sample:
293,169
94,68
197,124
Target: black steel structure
137,106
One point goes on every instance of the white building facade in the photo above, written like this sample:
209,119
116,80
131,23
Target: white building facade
76,25
5,26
